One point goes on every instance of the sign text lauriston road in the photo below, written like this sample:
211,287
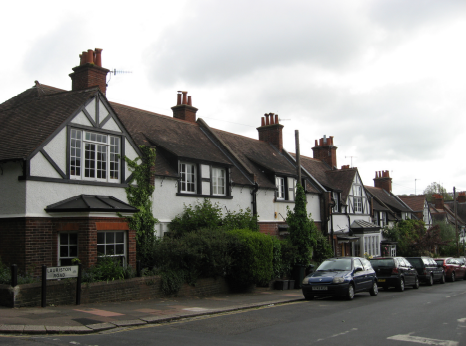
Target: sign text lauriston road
63,272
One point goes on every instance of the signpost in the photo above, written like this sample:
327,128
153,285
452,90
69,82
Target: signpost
63,272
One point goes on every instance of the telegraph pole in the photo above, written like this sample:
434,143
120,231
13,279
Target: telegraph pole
298,158
456,223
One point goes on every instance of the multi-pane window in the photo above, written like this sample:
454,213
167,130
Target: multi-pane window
94,156
218,181
382,222
280,188
188,177
357,198
112,244
372,245
335,208
67,248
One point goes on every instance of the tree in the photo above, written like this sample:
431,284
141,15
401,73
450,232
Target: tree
302,228
436,188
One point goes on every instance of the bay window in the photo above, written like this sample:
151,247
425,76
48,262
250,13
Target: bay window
112,244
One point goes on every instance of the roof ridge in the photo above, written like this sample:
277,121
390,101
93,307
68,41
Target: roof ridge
151,113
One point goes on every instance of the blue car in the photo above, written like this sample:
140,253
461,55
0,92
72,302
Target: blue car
341,276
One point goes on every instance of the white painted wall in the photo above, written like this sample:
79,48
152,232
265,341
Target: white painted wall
56,149
12,191
41,167
41,194
313,207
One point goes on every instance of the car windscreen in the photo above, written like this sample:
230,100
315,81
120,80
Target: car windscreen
386,262
440,262
335,264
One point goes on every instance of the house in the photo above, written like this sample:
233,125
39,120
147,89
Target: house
346,213
387,208
420,207
62,174
443,211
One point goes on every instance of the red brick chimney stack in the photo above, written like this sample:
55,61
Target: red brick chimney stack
438,201
184,109
270,130
90,72
461,197
382,180
325,151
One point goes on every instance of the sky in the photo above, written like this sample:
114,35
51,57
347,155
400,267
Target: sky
385,78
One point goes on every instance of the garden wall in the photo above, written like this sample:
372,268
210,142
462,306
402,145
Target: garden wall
64,292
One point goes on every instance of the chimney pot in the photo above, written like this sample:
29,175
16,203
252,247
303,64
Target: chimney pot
98,57
267,120
271,119
263,121
178,98
185,93
276,118
90,56
189,101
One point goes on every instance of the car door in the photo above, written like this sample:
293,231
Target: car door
409,273
359,275
370,272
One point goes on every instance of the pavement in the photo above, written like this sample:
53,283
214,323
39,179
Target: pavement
94,318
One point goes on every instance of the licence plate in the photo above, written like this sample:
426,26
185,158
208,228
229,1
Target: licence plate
381,280
320,288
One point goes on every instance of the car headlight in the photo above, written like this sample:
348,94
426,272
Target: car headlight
305,280
338,280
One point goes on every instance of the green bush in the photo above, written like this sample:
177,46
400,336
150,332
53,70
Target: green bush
207,215
23,278
322,248
252,260
289,257
107,268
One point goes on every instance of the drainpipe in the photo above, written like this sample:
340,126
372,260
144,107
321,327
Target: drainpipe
349,225
254,199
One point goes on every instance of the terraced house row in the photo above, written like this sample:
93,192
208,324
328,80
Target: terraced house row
63,174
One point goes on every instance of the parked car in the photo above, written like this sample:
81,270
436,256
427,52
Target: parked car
427,269
341,276
395,272
452,267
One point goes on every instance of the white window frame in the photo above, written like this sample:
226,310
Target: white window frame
281,188
188,177
68,246
335,208
106,149
382,219
219,186
119,247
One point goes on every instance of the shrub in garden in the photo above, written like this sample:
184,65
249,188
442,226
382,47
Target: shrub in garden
252,260
107,268
23,278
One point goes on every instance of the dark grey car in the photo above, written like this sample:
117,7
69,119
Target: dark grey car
395,272
427,269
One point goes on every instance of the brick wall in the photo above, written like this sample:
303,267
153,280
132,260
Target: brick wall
64,292
33,242
270,228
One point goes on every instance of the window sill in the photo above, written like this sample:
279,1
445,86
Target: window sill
283,201
203,196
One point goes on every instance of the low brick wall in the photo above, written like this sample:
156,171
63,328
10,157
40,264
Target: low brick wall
64,292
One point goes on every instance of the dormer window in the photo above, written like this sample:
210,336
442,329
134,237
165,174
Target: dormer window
336,206
188,172
218,182
281,188
94,156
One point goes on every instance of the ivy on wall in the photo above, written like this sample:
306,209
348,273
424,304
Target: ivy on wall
140,193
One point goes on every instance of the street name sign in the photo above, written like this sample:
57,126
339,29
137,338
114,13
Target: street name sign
63,272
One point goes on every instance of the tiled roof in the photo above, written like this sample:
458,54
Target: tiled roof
416,203
91,203
28,119
342,179
260,158
388,198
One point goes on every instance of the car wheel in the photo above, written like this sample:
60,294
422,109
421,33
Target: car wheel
308,297
442,279
452,276
374,290
401,285
350,294
416,283
430,280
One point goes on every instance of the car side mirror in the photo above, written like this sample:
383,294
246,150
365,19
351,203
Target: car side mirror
358,269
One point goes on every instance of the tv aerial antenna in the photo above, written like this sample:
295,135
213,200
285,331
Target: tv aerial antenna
115,72
351,159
